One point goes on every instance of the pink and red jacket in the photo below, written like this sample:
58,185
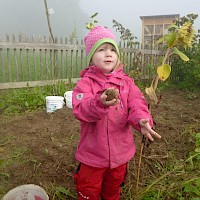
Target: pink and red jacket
106,138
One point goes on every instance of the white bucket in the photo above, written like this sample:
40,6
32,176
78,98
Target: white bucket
68,98
54,103
26,192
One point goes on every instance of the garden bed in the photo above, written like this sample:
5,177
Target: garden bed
39,147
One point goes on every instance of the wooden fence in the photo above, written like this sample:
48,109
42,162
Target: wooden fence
29,61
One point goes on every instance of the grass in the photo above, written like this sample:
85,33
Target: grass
29,99
11,155
180,183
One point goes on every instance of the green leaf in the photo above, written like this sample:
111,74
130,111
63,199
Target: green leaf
161,40
61,190
171,37
181,54
197,138
95,14
173,26
5,174
1,162
192,187
197,150
164,71
89,26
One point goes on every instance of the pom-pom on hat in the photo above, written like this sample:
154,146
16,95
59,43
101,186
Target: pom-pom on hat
96,37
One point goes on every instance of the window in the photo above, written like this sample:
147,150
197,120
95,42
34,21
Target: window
159,29
166,26
148,29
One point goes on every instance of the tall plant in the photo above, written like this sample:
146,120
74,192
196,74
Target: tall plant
126,34
132,42
188,73
177,38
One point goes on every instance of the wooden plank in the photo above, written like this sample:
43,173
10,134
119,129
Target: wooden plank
67,68
10,45
62,64
22,64
76,62
34,83
41,66
2,65
51,64
72,63
9,67
56,64
28,64
81,60
16,65
46,64
35,65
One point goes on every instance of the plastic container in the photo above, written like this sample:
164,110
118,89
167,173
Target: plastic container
68,98
26,192
54,103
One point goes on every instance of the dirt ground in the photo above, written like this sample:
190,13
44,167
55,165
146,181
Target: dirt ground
39,147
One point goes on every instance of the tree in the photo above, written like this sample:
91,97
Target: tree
126,34
73,35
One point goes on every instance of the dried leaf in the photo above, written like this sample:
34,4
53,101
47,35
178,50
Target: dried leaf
151,93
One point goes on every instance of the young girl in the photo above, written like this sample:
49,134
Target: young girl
106,139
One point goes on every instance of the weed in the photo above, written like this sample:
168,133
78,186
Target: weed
178,180
195,154
29,99
62,193
191,96
192,186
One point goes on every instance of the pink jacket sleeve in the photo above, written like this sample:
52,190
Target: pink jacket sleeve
87,106
138,108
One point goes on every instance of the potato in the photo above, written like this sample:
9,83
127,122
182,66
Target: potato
111,94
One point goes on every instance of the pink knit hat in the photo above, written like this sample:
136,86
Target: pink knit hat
96,37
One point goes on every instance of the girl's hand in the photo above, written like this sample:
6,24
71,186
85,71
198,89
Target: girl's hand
147,131
112,102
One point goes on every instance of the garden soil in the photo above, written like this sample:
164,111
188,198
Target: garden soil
39,147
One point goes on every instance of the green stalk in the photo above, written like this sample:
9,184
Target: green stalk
163,62
144,140
156,181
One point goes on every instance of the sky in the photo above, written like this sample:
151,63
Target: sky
28,16
128,12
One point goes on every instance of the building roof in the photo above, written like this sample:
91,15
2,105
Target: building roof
159,16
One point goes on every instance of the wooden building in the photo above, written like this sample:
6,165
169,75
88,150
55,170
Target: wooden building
154,27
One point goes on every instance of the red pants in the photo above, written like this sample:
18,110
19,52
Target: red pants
93,183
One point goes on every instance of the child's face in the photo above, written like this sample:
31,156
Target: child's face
105,58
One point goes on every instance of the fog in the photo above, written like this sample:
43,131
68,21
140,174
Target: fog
29,17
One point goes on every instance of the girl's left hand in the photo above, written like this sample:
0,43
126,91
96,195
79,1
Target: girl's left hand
147,131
